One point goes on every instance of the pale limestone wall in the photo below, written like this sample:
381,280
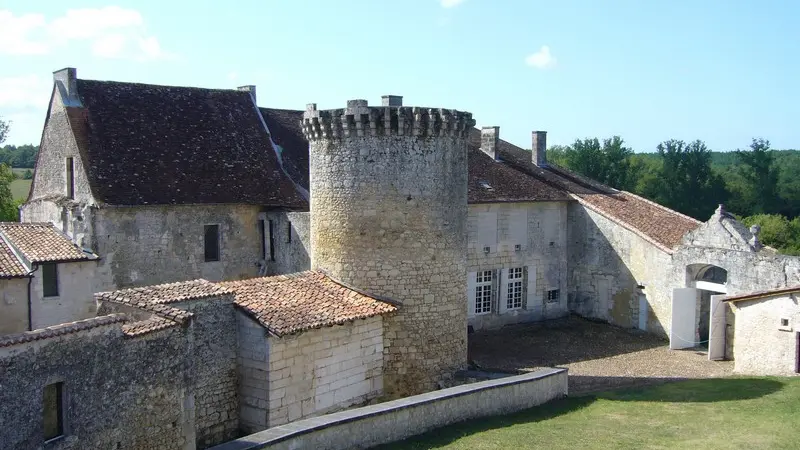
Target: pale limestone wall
540,230
762,346
159,244
388,216
386,422
253,371
13,305
606,263
74,300
288,257
325,369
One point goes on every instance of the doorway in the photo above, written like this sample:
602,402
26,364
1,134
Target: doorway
698,313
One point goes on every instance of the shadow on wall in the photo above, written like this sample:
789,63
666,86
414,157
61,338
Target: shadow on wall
693,391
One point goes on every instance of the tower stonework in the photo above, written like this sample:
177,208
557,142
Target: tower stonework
389,216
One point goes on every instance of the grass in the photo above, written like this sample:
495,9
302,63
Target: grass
20,189
723,413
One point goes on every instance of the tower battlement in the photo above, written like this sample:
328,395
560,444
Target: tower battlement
359,119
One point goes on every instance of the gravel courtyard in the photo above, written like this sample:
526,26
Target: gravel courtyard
599,356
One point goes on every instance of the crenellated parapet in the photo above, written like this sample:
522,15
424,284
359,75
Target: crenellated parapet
359,119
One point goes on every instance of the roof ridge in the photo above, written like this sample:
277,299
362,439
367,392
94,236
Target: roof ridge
234,90
663,207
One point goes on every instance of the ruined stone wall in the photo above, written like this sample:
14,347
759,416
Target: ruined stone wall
118,391
606,262
289,255
388,216
762,345
540,231
74,300
159,244
325,369
14,305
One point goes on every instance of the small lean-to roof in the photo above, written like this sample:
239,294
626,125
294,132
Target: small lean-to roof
42,242
164,294
10,265
147,144
292,303
755,295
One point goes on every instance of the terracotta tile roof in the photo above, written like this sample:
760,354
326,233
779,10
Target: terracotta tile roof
762,294
42,242
153,145
287,304
61,329
10,266
151,325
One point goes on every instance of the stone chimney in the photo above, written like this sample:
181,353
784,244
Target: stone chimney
490,136
249,88
539,148
66,81
392,100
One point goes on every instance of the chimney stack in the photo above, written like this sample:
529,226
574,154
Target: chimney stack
251,89
67,78
490,136
392,100
539,148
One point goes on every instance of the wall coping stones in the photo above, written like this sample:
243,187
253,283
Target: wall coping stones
61,329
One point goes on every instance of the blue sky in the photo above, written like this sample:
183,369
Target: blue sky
720,71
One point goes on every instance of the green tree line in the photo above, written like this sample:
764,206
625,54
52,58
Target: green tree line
8,207
757,184
19,156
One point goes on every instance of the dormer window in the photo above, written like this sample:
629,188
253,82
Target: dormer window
485,184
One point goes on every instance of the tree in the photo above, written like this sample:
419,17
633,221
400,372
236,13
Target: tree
757,168
4,127
777,231
608,163
8,207
28,175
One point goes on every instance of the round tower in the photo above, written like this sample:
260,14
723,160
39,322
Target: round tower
389,217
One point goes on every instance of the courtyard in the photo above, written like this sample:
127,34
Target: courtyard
599,356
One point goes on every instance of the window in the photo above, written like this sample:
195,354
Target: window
262,239
483,292
271,242
212,243
289,232
50,280
552,296
514,299
53,411
70,178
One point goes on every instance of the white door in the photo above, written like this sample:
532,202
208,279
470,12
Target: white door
684,319
716,329
643,312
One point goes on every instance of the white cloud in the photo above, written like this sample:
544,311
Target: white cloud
542,59
450,3
24,91
109,32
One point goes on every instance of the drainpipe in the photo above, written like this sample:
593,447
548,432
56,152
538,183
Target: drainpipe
30,312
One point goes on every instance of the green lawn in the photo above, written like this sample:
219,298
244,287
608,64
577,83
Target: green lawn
20,188
727,413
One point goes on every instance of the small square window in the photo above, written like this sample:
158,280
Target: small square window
784,322
211,245
553,295
53,411
50,280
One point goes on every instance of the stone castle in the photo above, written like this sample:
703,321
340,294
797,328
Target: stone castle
248,266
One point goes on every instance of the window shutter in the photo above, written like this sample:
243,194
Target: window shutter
503,291
530,293
471,276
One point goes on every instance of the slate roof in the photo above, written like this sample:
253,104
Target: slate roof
284,126
153,145
287,304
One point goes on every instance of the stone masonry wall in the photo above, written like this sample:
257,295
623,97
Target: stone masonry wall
74,300
540,230
289,254
388,216
159,244
324,369
118,391
761,345
14,304
606,263
253,371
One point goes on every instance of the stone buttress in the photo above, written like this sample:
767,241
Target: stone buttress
389,216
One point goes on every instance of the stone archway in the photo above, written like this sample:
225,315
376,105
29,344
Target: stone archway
698,316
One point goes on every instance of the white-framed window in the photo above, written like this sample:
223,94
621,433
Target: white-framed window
514,289
483,292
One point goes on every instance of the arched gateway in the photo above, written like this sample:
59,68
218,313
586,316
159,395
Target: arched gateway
698,316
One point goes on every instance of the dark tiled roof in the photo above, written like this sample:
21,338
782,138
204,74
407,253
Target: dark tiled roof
42,242
284,126
10,266
149,144
287,304
762,294
61,329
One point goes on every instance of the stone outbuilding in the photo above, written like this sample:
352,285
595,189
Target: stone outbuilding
767,336
45,279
